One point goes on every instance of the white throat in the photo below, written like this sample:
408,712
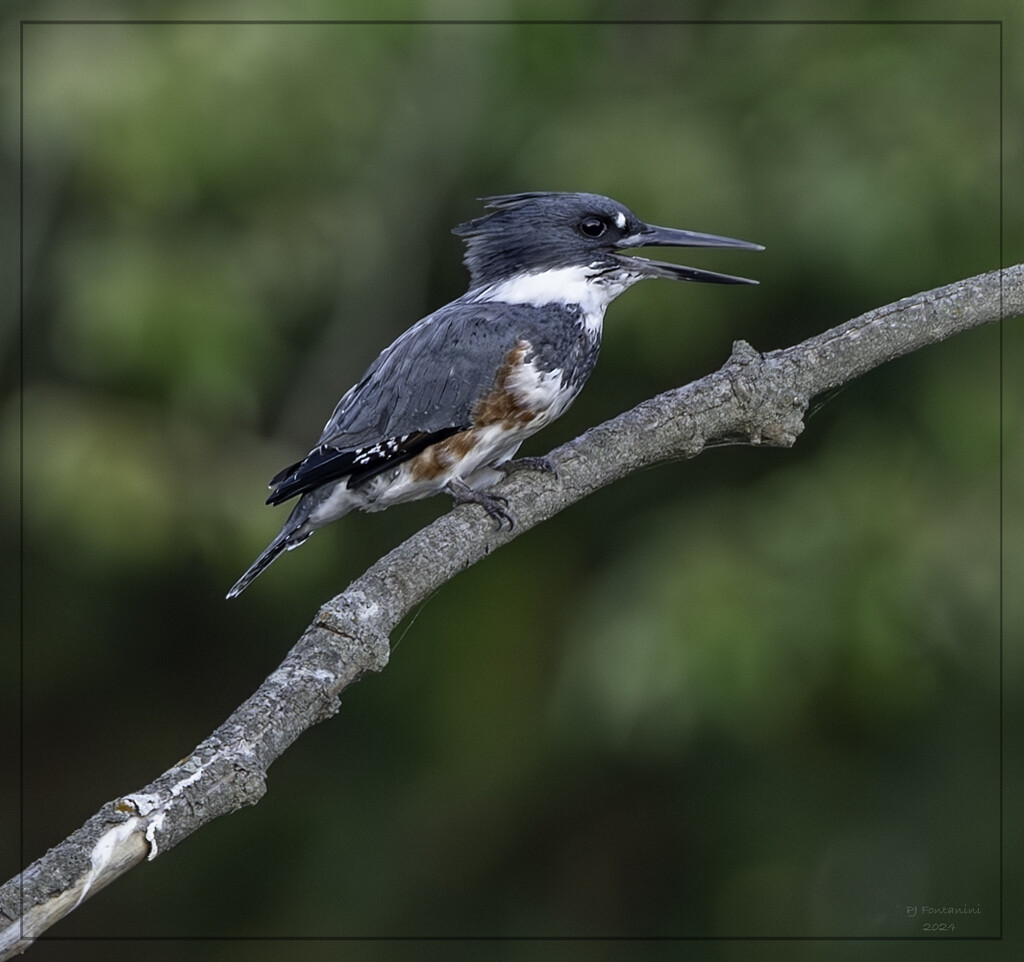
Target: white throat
588,287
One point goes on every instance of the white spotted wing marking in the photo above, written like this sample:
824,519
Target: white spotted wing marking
381,451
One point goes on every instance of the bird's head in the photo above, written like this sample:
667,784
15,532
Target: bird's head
540,231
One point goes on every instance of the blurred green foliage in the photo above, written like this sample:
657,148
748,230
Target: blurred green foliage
752,694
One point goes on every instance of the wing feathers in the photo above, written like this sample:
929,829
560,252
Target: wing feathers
325,464
419,391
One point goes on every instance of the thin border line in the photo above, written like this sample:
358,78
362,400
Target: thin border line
530,23
516,938
1002,471
637,23
21,480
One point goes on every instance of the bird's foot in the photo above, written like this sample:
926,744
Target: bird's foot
528,464
494,504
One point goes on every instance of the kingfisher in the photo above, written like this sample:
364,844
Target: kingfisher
447,405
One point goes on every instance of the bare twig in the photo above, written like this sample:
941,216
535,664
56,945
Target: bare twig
759,397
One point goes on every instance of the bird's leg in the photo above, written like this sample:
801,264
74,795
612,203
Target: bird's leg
527,464
495,505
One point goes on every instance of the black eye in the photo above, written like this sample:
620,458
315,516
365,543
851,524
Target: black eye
592,226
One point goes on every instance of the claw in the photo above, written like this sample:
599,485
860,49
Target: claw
494,504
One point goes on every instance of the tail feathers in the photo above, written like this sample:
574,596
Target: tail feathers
313,510
286,540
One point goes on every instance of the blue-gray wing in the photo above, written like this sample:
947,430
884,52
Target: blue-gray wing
418,391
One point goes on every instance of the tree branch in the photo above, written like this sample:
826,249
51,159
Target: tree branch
758,397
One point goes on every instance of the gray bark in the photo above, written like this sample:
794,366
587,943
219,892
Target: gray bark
758,398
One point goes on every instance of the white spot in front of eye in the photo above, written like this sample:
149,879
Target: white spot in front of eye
620,220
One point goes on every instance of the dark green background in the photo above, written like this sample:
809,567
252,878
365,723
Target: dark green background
753,694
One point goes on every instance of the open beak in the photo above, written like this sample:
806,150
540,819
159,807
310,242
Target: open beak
650,236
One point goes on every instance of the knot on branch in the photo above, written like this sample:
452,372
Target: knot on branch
771,407
358,620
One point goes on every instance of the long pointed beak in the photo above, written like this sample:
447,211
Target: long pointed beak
651,236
